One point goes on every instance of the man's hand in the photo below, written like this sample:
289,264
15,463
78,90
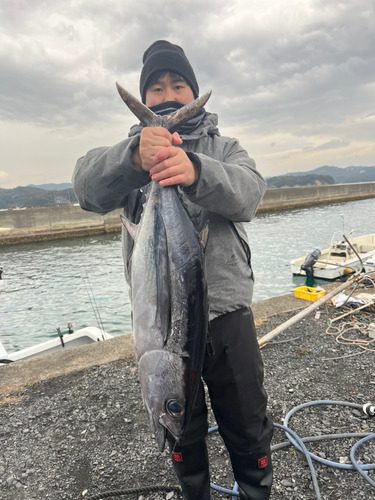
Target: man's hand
152,140
173,167
167,165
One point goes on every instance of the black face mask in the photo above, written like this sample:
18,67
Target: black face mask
169,107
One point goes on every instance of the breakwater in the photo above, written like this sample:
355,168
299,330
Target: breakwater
295,197
68,221
50,223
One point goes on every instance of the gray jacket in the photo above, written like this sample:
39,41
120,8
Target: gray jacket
227,193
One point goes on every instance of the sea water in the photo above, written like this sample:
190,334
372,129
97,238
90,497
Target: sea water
46,285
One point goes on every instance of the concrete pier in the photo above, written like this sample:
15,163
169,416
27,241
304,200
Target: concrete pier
68,221
56,364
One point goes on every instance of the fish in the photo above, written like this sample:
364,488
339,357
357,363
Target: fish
169,299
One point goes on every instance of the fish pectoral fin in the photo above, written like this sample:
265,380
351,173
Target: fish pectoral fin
163,307
131,228
203,236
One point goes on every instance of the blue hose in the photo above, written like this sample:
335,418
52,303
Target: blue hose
298,443
307,455
329,463
354,462
220,489
235,493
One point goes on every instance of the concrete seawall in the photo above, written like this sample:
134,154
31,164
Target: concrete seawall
286,198
68,221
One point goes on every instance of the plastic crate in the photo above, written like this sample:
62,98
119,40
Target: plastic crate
308,293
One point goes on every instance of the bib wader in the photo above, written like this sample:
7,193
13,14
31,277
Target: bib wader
234,377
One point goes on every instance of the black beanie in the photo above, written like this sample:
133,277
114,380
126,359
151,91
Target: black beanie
164,56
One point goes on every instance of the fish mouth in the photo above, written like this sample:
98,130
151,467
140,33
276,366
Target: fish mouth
160,432
161,428
175,433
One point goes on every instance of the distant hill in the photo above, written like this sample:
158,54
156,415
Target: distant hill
53,187
346,175
30,196
299,180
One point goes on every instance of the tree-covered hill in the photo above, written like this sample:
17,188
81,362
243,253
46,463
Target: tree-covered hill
52,186
299,180
31,196
340,175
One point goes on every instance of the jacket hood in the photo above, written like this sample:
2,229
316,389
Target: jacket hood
207,127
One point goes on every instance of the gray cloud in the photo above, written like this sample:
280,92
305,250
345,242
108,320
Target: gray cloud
278,71
335,143
306,71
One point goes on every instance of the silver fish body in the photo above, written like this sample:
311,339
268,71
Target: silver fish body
170,310
169,294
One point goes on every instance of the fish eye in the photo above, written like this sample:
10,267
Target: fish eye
174,408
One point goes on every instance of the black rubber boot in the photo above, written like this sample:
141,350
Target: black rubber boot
191,466
253,473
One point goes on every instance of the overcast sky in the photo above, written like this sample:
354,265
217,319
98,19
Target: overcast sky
294,81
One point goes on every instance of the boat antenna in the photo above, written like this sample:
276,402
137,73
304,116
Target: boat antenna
94,305
355,251
343,225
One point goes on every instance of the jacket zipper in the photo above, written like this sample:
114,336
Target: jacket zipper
244,245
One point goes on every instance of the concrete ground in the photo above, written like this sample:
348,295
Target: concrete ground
62,363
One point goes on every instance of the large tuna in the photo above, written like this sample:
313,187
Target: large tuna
169,295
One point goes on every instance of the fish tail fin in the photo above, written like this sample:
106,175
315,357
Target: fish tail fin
150,119
181,116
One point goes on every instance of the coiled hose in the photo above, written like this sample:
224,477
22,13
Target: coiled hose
293,439
298,443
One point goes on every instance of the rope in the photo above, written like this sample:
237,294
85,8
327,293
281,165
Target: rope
347,326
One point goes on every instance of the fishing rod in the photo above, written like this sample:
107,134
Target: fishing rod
94,305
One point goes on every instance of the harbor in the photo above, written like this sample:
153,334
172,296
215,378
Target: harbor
221,170
45,285
72,423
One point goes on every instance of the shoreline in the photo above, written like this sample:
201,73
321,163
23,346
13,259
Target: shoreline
67,221
48,366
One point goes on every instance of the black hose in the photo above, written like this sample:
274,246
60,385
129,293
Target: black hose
130,491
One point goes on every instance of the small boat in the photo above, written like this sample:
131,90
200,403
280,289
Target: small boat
369,265
343,257
69,340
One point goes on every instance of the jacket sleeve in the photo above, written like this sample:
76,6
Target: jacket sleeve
103,179
228,182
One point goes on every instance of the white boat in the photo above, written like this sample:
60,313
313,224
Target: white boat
81,337
340,259
369,265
